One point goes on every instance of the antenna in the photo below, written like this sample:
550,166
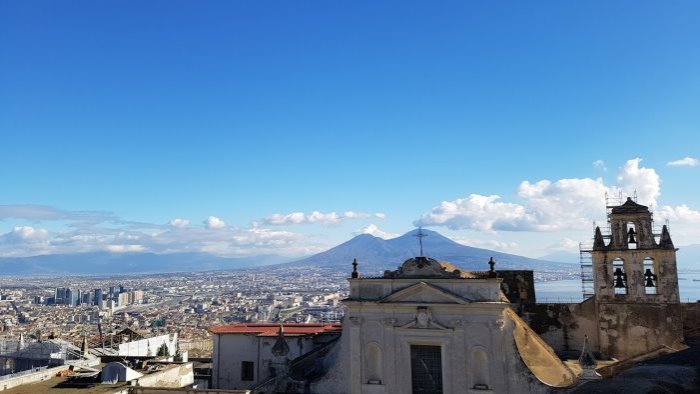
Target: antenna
635,194
420,236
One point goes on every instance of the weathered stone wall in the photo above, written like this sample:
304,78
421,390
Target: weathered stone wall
563,326
617,330
631,329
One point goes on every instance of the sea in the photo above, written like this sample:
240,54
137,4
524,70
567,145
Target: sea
570,290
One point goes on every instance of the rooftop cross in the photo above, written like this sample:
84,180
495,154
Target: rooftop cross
420,236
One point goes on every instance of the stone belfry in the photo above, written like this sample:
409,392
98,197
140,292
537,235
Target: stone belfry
634,266
637,305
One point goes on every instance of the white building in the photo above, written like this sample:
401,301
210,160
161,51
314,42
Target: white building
246,355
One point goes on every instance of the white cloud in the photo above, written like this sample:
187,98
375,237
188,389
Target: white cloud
315,217
478,212
680,214
25,234
644,181
600,164
179,223
213,222
356,215
566,204
124,248
374,230
487,244
565,245
323,218
685,162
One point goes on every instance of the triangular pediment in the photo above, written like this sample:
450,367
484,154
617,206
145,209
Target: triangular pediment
424,293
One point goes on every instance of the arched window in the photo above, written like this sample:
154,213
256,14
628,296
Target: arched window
373,361
480,369
651,284
632,236
619,277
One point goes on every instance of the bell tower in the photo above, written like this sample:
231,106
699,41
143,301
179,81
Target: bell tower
637,305
636,265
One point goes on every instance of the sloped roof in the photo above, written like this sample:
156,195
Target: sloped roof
538,356
272,329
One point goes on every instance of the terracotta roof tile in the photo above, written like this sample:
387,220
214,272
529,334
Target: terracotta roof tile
271,329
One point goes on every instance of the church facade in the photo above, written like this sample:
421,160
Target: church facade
430,327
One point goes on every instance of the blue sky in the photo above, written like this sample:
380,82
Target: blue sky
117,119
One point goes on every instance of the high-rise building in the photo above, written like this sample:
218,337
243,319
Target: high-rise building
138,297
123,299
97,299
60,295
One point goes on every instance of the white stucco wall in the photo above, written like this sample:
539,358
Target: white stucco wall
230,350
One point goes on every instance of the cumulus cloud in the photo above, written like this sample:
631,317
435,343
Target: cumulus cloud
212,222
316,217
372,229
680,214
179,223
685,162
25,234
644,181
566,204
600,164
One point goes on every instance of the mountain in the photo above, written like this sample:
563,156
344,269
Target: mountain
376,255
128,263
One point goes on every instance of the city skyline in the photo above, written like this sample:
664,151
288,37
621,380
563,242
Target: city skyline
241,129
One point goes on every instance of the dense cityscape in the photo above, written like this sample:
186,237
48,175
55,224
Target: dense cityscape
188,303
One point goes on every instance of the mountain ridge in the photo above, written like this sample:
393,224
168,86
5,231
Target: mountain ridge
373,253
390,253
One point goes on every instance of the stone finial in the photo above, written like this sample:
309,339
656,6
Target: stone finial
355,274
598,243
665,241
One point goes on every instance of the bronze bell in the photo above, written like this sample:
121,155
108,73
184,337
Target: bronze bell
619,279
650,278
632,233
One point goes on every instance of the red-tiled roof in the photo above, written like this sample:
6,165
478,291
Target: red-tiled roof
272,329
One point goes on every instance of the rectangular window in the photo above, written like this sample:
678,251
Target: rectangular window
426,369
247,370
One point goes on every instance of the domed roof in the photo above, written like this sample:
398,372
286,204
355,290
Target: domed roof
426,267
